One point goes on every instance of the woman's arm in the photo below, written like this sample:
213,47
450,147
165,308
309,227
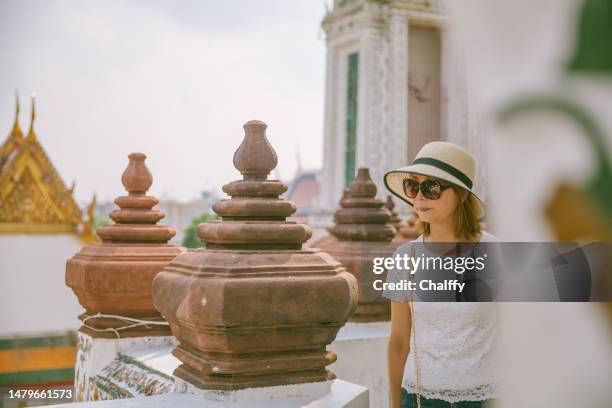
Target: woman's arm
397,349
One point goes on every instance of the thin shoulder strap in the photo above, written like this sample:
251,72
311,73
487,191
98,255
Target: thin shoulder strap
413,330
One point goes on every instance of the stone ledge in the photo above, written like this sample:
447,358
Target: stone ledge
362,358
141,374
342,394
96,356
362,331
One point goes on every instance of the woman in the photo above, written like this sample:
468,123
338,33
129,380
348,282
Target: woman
440,354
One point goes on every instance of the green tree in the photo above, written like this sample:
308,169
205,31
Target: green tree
190,238
100,220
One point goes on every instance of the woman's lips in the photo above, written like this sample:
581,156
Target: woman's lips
423,209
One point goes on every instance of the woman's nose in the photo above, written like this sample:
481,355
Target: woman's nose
419,196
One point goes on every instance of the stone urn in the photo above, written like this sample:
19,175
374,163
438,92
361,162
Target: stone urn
112,280
253,308
361,233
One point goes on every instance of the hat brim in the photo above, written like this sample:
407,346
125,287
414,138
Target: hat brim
394,180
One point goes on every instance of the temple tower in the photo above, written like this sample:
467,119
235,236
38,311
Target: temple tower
395,80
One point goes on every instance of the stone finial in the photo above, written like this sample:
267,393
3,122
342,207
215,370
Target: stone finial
255,201
255,157
362,217
137,178
136,218
244,307
115,277
394,219
363,186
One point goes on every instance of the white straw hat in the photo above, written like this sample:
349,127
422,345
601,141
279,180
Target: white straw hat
442,160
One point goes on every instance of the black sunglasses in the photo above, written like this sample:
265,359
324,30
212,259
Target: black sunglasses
431,189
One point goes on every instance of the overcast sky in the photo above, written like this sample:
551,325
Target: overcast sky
173,79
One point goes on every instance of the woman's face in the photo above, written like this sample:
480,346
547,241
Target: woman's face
435,211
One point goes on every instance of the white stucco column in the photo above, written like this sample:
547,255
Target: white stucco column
395,146
330,140
341,42
463,126
372,96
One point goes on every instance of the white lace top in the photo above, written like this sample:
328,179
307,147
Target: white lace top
456,345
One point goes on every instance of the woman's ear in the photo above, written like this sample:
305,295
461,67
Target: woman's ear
463,195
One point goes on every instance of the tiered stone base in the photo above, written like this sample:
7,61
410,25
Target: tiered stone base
358,258
233,372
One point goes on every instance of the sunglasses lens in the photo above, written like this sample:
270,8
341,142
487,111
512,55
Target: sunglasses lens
431,189
411,188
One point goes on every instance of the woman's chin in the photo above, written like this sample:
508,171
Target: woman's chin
425,216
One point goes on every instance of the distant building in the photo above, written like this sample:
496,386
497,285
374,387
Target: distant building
303,191
41,226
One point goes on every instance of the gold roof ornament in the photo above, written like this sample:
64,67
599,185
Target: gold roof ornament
16,132
31,134
33,197
14,138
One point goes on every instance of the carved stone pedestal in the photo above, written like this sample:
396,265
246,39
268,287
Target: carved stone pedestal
114,278
254,309
362,232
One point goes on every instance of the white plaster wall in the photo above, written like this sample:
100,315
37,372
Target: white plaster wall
424,67
464,125
33,295
362,358
529,156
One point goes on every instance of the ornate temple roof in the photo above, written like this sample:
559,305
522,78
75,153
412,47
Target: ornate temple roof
33,197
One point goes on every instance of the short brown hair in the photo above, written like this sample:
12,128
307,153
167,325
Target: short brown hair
467,225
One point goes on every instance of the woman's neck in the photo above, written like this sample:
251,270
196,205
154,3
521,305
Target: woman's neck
440,235
442,231
445,232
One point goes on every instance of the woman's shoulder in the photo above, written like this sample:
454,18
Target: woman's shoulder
405,247
485,237
408,244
